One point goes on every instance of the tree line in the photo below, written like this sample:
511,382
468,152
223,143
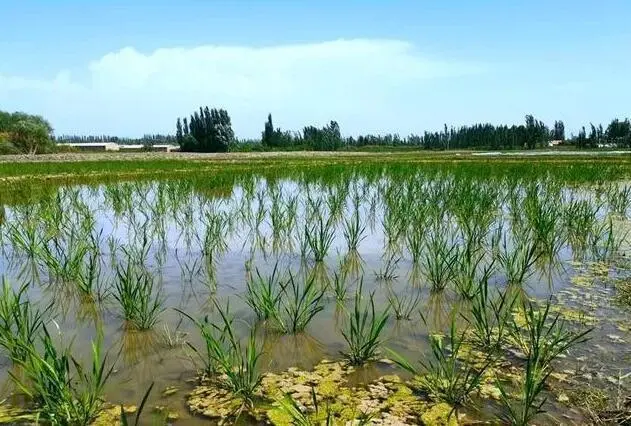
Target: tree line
533,133
210,130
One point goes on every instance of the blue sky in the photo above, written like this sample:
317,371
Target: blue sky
132,67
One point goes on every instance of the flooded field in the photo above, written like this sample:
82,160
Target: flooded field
397,294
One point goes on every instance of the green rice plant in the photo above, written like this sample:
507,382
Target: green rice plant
363,329
340,290
440,259
403,305
216,229
20,322
619,199
415,243
518,260
299,305
543,215
64,392
320,237
490,317
237,364
88,277
354,231
301,417
543,338
141,407
393,230
579,217
140,300
467,270
388,272
605,240
264,294
446,375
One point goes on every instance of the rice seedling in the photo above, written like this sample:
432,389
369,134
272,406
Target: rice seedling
140,300
619,199
301,416
299,305
543,338
88,277
445,374
123,417
63,391
416,243
606,241
237,365
264,294
320,237
518,260
388,272
340,290
363,329
579,218
490,317
467,270
354,231
216,225
403,306
20,322
440,258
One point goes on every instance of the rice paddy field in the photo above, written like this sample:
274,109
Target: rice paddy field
356,289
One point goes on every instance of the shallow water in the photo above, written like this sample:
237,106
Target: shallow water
202,243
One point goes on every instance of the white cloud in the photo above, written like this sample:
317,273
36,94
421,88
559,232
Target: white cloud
356,82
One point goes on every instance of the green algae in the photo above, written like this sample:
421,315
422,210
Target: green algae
441,414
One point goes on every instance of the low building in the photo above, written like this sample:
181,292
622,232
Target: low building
111,146
92,146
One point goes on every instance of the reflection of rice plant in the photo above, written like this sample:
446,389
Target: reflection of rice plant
443,375
299,304
20,322
543,338
264,294
140,299
403,305
62,389
363,329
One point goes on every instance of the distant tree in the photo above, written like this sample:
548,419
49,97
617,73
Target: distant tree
619,132
30,133
208,131
185,126
179,134
268,136
558,134
536,132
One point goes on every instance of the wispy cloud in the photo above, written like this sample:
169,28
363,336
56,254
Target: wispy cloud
129,92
